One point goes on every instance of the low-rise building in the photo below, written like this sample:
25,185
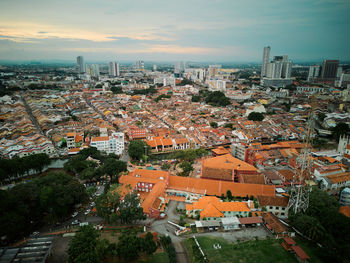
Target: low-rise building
276,205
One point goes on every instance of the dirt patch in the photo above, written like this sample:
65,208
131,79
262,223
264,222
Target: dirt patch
59,251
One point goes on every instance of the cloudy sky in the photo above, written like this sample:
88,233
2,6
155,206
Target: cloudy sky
163,30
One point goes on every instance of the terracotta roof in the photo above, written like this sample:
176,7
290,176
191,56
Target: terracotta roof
250,220
220,151
211,211
70,134
300,252
339,178
273,201
227,161
289,241
217,187
99,139
345,210
273,223
288,174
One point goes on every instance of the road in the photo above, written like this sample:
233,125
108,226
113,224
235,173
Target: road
67,224
162,227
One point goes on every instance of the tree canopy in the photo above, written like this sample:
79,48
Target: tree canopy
18,167
340,129
113,210
323,223
255,116
43,199
138,148
217,98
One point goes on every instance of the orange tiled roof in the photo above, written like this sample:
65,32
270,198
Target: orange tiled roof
99,139
211,211
217,187
227,161
345,210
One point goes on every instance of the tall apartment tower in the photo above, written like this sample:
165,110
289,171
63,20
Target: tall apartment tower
329,69
113,69
314,72
139,65
80,64
265,61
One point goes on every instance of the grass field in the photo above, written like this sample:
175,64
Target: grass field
268,250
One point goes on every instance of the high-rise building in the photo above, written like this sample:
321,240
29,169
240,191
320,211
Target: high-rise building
139,65
113,69
329,69
93,70
265,61
213,70
314,72
277,72
80,64
154,67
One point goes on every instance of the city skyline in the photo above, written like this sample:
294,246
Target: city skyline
216,31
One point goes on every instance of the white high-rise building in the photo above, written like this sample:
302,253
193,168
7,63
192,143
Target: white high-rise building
265,61
277,72
80,64
139,65
93,70
314,72
154,67
113,69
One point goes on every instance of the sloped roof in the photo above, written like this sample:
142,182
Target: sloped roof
211,211
273,201
217,187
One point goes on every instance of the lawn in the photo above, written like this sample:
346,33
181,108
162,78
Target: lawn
269,250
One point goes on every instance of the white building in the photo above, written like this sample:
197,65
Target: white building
217,85
109,144
266,58
80,64
113,69
314,72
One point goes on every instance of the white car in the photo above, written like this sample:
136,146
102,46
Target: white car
74,214
76,222
87,212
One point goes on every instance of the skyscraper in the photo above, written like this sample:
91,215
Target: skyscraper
265,61
80,64
329,69
139,65
277,72
113,69
314,72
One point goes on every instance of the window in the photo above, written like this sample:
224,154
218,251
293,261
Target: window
283,208
270,207
282,214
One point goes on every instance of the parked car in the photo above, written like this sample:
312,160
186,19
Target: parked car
87,212
76,222
74,214
35,234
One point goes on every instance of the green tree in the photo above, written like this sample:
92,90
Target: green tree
113,168
165,166
196,98
130,209
214,124
148,244
117,89
82,248
217,98
137,149
340,129
229,195
255,116
128,247
186,168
